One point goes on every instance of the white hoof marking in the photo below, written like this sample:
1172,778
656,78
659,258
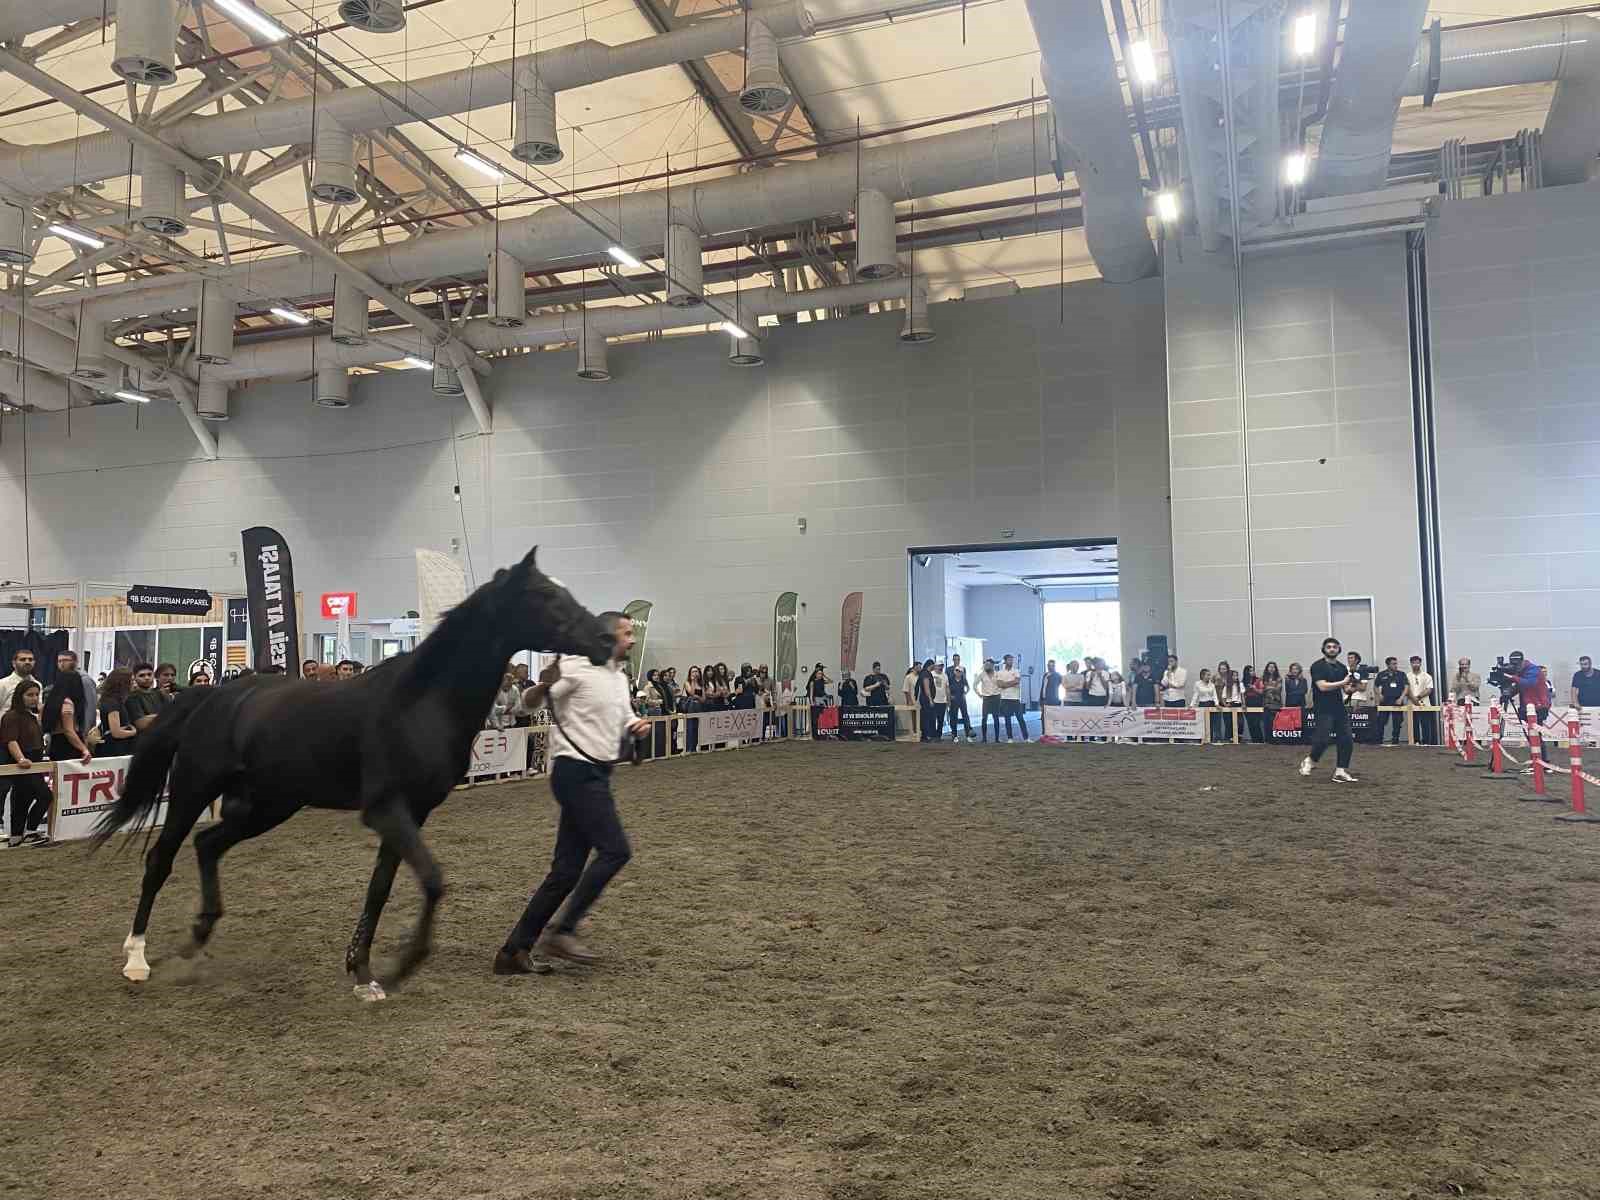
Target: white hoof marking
369,993
137,968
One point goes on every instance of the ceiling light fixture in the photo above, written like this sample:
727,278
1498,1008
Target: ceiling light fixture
1305,35
623,257
253,19
291,315
77,235
1143,60
132,397
731,328
1294,169
479,164
416,364
1167,206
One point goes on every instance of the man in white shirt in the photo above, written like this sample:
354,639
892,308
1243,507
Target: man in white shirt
593,711
1072,684
988,689
1173,682
1010,681
1419,692
21,671
941,700
908,686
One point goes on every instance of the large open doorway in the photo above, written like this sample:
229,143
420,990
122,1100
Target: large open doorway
1035,601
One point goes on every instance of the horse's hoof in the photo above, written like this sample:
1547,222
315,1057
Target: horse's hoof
137,967
369,993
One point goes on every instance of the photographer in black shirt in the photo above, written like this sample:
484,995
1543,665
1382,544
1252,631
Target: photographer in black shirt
877,687
1331,685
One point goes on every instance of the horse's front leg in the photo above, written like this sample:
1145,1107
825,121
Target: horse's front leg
392,821
357,959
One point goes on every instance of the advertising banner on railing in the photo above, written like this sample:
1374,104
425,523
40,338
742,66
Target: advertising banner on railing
499,752
85,793
866,724
1083,721
729,725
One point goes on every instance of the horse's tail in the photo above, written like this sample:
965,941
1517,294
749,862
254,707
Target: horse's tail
147,774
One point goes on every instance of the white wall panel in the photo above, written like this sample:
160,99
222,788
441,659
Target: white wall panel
680,481
1516,362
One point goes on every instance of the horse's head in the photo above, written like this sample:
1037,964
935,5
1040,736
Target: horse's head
544,616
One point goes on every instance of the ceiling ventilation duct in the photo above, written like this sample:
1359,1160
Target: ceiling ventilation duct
333,176
508,295
333,388
147,41
534,140
592,356
211,400
351,317
216,326
161,197
446,380
16,240
1091,135
1379,52
917,327
94,366
875,252
374,16
744,351
764,90
684,269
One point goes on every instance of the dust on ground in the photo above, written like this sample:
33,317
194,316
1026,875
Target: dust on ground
851,972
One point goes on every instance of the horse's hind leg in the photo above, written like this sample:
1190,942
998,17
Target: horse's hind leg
242,819
186,803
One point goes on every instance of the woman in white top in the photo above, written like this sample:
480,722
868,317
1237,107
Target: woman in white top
908,686
1119,690
1230,694
1205,696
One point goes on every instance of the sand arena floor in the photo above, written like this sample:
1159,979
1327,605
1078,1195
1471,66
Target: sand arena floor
852,972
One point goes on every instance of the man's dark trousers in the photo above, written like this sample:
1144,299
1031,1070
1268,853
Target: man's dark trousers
589,821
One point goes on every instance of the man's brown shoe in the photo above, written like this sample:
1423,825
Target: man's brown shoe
564,945
517,962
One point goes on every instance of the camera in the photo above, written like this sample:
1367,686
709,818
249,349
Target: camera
1365,671
1501,676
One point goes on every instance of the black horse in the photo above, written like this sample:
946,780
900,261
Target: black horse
390,743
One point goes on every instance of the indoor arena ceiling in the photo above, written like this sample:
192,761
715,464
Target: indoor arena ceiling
873,76
858,77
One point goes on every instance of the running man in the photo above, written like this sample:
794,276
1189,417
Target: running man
594,707
1332,683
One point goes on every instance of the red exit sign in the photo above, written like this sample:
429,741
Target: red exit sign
338,604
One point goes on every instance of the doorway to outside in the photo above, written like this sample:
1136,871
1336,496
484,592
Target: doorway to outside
1075,630
1033,600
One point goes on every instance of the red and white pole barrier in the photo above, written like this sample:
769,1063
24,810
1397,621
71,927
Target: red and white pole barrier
1497,762
1469,748
1535,750
1575,761
1579,814
1450,727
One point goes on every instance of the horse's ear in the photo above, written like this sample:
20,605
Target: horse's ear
528,562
